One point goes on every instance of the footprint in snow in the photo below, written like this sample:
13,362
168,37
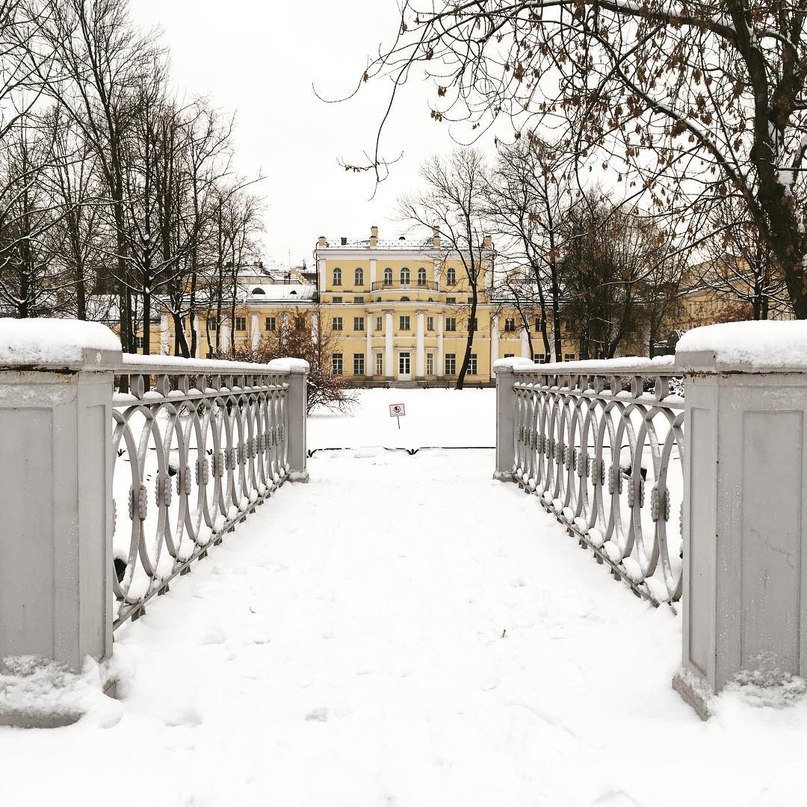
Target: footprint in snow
318,715
616,798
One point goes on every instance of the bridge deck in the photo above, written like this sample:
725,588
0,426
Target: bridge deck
403,631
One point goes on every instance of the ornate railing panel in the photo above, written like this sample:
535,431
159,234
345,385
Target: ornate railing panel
601,444
199,444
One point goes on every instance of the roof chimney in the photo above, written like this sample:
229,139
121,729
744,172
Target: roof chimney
373,237
436,237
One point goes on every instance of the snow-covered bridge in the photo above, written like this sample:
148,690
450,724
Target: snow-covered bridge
402,630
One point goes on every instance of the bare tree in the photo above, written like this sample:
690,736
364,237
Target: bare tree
741,268
528,193
686,102
454,202
102,62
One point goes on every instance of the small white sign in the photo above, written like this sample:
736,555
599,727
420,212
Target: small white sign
397,410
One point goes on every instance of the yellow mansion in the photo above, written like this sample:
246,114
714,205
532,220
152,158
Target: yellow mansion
398,311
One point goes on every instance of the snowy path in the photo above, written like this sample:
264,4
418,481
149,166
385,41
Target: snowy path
405,632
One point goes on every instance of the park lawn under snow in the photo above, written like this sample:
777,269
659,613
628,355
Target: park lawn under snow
404,631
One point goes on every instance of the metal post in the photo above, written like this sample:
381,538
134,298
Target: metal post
505,417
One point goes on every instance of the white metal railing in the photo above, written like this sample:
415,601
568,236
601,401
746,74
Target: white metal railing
601,444
199,444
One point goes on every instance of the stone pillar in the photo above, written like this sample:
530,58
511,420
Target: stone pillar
525,344
368,345
256,331
504,370
56,493
296,371
389,369
322,274
420,345
224,341
440,361
494,342
373,271
745,508
165,335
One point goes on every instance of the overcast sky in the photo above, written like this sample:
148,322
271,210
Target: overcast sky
260,59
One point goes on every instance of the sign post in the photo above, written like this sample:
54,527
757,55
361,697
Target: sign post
397,411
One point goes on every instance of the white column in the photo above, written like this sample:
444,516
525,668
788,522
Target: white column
525,344
197,327
165,335
440,362
256,332
420,354
389,370
373,271
494,342
322,270
224,342
369,368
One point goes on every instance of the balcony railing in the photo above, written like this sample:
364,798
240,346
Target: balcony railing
196,452
427,286
601,444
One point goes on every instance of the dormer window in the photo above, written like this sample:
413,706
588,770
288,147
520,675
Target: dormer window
337,277
258,290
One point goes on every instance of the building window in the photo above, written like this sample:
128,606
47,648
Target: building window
270,323
539,324
451,276
138,342
379,364
336,324
472,365
337,277
358,299
403,322
421,276
475,323
405,276
358,364
510,324
539,358
510,356
451,300
378,326
336,364
388,277
429,323
240,323
568,357
430,364
451,363
451,323
336,300
358,323
212,324
358,277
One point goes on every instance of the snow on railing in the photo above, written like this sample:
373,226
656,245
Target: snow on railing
601,444
199,445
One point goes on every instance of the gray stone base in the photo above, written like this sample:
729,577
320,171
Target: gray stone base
504,476
299,476
695,691
38,693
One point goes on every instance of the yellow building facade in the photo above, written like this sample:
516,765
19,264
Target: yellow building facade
397,312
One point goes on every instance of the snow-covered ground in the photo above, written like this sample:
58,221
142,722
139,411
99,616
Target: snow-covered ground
405,632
